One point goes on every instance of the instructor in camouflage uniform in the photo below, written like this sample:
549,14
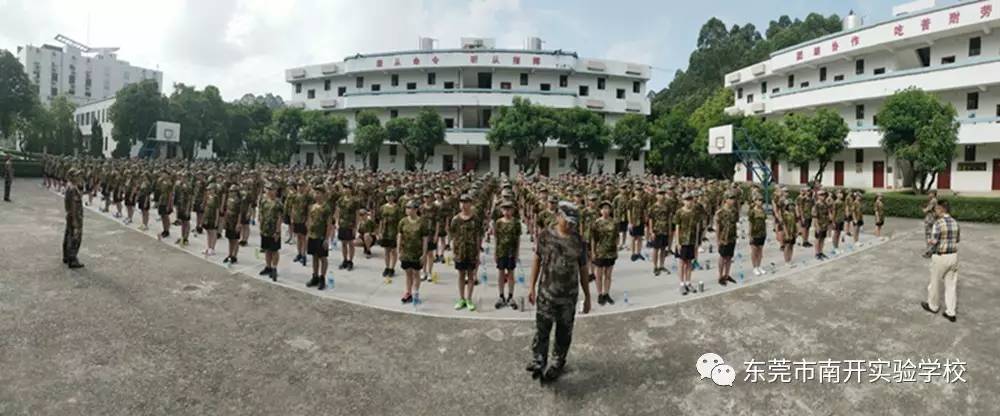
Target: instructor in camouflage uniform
74,221
558,271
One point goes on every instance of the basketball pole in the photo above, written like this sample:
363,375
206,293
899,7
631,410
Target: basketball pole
752,160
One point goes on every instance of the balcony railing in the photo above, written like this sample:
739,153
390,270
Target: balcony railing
461,91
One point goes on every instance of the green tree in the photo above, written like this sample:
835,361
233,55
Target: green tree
584,135
818,137
18,96
670,144
920,130
711,114
366,118
325,131
36,129
524,128
428,132
64,139
136,109
96,146
368,141
767,137
630,135
202,115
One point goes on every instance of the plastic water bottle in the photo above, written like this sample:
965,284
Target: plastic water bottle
329,280
434,277
696,265
333,243
256,254
483,277
416,300
625,297
708,264
487,250
741,277
520,276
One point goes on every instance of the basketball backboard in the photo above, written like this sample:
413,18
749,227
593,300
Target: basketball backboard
720,140
167,132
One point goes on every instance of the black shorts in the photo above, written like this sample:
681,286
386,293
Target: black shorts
245,221
807,223
286,219
315,247
198,209
506,263
880,223
209,226
409,265
758,241
661,241
465,265
839,226
387,243
299,228
637,231
623,227
726,250
859,223
144,204
431,246
232,234
821,234
270,243
184,216
345,234
687,252
163,210
605,262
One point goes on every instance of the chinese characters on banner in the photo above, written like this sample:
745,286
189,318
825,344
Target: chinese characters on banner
898,30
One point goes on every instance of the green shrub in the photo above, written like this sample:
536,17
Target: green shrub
963,208
27,169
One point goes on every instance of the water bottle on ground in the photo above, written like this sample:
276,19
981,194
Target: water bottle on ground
520,276
434,277
329,280
625,297
416,300
483,277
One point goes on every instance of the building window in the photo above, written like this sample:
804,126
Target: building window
749,98
431,78
948,60
620,93
341,91
972,101
838,78
298,88
859,156
804,84
359,82
879,71
791,81
449,123
859,112
311,94
326,85
562,152
504,85
600,83
739,93
636,87
411,85
584,90
763,88
564,81
998,110
975,46
924,55
970,153
376,87
859,67
875,119
393,113
449,85
394,80
822,74
545,87
776,90
524,79
392,150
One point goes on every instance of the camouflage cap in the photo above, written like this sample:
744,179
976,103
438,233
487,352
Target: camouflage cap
413,204
569,211
506,205
465,198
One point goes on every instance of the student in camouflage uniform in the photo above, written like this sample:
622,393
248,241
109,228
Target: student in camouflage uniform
660,216
839,217
366,231
213,205
73,236
804,206
857,215
879,211
428,213
508,234
247,204
790,223
182,204
8,177
822,215
412,235
347,224
318,222
271,211
300,202
164,201
637,221
143,193
443,209
465,240
198,203
232,215
687,229
389,215
558,272
726,220
604,251
758,234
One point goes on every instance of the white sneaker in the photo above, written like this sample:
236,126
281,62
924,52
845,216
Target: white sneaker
762,271
756,271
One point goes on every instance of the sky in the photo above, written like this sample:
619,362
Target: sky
244,46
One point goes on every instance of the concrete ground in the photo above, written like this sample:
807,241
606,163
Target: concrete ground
147,329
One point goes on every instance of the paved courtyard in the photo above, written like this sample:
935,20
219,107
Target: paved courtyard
147,328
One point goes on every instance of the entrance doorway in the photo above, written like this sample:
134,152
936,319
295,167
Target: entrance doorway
543,166
505,165
838,173
996,174
447,163
878,174
774,171
803,174
944,178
